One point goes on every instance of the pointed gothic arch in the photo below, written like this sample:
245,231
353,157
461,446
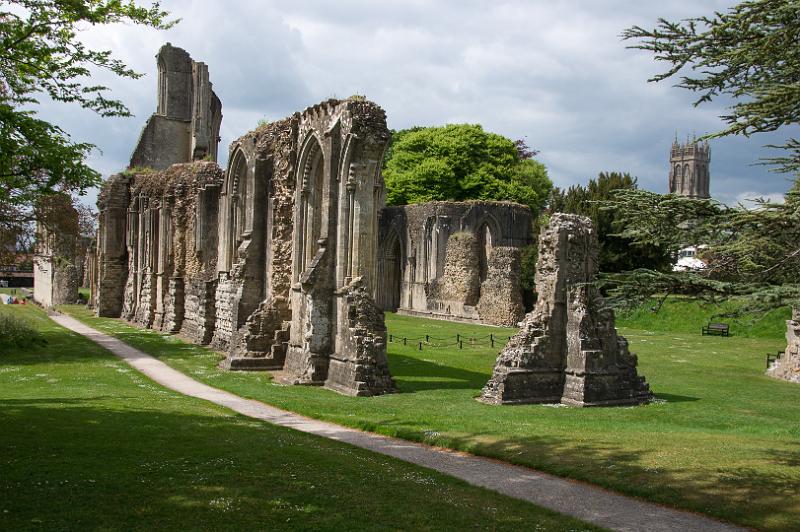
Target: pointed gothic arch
311,181
390,270
237,190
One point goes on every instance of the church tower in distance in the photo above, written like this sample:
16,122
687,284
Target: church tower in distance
688,173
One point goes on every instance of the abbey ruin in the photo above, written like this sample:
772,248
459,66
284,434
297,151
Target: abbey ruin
286,260
271,261
787,366
568,349
57,262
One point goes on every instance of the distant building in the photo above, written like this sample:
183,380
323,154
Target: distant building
688,261
17,271
689,174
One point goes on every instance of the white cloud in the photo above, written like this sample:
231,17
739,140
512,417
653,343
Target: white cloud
556,73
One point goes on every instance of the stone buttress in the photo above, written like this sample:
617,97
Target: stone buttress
568,349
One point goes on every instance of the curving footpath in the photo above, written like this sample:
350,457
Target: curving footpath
583,501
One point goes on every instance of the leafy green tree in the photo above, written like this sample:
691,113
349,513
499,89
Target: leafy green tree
461,162
749,54
617,253
42,56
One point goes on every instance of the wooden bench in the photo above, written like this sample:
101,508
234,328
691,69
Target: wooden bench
717,329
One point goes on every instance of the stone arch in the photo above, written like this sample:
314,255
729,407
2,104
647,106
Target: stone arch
312,183
237,191
390,271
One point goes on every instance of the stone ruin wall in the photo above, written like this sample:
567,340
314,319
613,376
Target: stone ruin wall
164,249
787,367
57,259
186,124
337,335
454,260
215,257
567,349
255,247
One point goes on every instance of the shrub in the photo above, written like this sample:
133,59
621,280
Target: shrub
15,332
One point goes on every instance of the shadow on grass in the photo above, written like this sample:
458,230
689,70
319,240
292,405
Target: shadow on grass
415,375
107,468
763,498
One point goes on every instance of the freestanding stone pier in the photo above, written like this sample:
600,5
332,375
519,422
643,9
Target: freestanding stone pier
568,349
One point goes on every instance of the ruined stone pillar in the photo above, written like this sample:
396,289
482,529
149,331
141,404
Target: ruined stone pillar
568,349
787,367
112,253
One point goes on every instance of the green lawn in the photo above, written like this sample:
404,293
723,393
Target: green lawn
87,443
721,438
678,314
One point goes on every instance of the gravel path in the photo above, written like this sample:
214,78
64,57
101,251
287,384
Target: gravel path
589,503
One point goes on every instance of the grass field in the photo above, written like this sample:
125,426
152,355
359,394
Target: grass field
721,438
86,443
681,315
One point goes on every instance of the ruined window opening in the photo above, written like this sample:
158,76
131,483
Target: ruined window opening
429,262
238,196
484,250
162,87
311,222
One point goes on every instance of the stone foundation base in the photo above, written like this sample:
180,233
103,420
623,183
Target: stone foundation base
523,387
352,378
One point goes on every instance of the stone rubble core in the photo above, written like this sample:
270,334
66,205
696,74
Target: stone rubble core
457,261
788,366
568,349
271,261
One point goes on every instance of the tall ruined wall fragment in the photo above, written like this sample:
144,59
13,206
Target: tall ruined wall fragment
57,257
112,250
337,335
186,124
437,260
158,250
568,349
787,367
255,247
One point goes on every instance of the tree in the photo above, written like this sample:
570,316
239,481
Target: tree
461,162
617,253
749,54
41,55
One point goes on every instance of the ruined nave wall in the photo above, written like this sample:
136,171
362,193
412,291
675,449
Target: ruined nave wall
454,260
157,240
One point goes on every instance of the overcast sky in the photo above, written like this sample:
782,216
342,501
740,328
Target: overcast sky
553,72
